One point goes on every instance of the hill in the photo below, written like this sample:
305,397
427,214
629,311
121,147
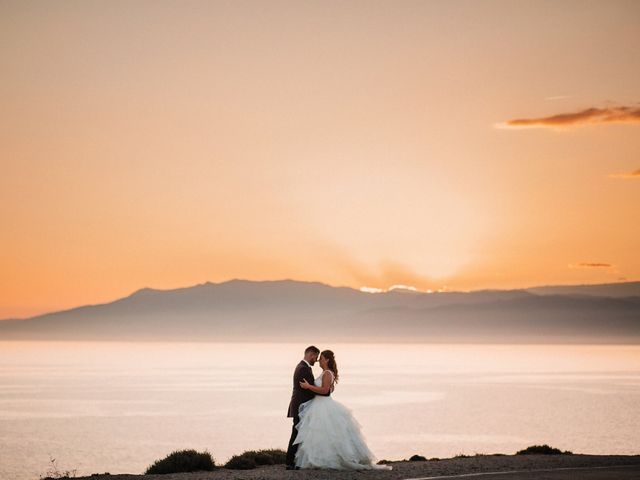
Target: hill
287,310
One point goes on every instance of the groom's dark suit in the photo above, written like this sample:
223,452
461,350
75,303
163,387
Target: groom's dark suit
298,397
299,394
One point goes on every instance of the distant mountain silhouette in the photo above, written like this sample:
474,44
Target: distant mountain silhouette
626,289
287,310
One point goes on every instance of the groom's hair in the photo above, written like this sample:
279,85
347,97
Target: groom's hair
313,349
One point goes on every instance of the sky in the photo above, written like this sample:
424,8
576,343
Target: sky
444,145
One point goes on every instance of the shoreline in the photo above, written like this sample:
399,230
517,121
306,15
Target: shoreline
510,467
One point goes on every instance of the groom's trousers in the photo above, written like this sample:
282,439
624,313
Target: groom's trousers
291,451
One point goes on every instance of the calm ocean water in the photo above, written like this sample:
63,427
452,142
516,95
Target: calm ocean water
117,407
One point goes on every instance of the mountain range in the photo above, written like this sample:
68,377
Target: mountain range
294,311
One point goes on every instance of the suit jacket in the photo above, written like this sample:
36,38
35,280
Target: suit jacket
299,394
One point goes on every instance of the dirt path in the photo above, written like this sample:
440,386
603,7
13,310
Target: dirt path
622,472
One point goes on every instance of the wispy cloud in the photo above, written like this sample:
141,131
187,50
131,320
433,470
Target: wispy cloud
635,174
590,265
590,116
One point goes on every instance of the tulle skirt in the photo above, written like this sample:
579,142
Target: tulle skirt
331,437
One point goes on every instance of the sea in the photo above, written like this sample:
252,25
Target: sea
95,407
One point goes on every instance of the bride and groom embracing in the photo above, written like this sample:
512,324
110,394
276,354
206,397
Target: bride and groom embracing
325,434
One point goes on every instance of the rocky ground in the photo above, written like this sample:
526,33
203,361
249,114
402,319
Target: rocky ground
507,467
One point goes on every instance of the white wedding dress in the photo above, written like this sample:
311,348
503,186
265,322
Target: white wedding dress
330,436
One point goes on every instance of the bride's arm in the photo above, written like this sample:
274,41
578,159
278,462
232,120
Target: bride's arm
324,389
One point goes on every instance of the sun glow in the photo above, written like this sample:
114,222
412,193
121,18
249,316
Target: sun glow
390,289
402,287
371,290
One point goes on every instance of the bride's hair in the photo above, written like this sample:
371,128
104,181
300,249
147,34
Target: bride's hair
331,362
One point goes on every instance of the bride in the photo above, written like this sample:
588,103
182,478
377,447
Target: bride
328,434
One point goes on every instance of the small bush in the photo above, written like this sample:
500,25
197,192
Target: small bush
241,462
384,462
275,456
417,458
182,461
434,459
542,450
255,458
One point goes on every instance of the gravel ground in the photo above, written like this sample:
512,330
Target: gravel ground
527,467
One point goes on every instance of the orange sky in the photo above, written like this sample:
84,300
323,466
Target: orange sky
476,144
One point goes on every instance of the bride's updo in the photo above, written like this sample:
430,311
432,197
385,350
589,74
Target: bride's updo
331,363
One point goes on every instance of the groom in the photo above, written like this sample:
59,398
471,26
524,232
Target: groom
299,396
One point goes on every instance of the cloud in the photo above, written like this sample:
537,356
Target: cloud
635,174
590,265
590,116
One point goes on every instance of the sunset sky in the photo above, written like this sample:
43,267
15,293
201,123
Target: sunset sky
458,144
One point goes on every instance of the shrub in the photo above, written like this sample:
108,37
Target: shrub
276,456
182,461
255,458
417,458
241,462
542,450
